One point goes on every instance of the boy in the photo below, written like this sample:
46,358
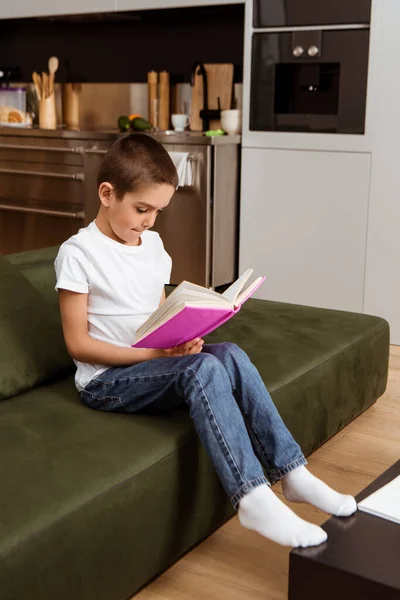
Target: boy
110,279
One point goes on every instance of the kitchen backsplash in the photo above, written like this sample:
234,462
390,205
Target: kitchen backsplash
100,104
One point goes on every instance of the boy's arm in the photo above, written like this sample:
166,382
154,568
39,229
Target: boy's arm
81,347
73,308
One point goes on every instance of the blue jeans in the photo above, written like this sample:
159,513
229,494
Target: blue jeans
232,411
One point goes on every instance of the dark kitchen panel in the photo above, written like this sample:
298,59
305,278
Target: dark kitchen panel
293,13
123,47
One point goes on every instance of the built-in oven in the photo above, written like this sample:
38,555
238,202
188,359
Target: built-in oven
309,65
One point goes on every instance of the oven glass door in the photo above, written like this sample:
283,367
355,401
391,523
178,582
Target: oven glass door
312,81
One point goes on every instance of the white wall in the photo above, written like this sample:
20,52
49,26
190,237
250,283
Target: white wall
382,275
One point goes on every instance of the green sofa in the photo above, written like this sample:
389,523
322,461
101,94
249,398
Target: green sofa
94,505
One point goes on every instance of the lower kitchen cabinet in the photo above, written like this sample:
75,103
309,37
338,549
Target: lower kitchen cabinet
48,190
21,231
303,225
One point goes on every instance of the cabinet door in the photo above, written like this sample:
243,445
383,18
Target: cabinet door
304,224
27,8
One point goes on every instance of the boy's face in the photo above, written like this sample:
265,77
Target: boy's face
126,219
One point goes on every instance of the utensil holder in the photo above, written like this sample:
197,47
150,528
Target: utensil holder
47,113
70,105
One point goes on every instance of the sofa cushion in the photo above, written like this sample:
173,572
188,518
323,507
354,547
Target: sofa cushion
322,367
38,267
94,505
32,348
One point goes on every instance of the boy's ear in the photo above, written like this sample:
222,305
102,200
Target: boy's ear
106,192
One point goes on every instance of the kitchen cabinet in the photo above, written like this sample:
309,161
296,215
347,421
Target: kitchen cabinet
382,281
27,8
304,225
48,190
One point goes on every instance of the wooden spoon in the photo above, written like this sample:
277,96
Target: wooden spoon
45,85
38,84
53,66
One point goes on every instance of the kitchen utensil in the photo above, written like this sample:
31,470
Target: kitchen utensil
70,105
164,95
152,82
220,84
45,85
155,112
38,84
53,66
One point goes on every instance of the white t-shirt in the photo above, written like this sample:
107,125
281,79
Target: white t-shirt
124,284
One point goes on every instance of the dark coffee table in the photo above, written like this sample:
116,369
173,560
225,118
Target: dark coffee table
360,560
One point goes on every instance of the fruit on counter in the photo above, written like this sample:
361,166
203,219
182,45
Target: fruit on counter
134,115
124,123
141,124
138,123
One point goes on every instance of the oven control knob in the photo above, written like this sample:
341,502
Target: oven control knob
313,51
298,51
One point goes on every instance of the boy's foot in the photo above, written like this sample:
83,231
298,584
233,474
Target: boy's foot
262,511
301,486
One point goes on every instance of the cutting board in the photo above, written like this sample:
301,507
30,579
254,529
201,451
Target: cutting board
220,83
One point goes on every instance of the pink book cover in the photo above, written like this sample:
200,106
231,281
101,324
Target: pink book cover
190,323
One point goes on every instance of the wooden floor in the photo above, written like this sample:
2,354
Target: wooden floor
236,564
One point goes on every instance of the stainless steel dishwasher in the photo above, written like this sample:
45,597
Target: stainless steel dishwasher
200,226
48,190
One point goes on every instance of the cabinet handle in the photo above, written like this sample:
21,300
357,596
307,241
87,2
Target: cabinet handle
98,151
76,150
95,151
43,211
298,51
75,176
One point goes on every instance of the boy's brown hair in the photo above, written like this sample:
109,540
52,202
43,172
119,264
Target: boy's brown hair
134,162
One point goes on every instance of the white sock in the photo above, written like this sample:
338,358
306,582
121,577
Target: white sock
301,486
262,511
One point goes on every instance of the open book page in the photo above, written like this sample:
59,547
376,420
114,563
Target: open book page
385,502
249,291
234,290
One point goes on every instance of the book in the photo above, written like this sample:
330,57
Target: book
191,311
385,502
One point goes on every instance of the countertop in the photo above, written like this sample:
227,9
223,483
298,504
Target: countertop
164,137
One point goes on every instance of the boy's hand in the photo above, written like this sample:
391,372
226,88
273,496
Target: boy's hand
193,347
